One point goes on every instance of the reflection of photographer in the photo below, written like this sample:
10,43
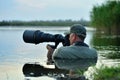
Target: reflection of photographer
76,67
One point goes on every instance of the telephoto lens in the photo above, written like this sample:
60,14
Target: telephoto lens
36,37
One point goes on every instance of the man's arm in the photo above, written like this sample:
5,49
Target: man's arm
49,54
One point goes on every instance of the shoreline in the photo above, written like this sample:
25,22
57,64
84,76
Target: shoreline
41,28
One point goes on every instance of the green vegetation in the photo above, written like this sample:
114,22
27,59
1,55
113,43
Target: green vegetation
102,40
44,23
107,73
113,55
106,17
108,45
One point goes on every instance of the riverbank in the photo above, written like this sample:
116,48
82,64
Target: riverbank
44,23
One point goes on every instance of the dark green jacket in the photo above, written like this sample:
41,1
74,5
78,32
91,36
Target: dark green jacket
75,52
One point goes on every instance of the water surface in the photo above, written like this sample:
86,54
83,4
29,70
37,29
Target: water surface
14,52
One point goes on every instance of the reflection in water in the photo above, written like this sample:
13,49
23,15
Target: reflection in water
64,69
109,44
108,47
14,53
106,40
76,67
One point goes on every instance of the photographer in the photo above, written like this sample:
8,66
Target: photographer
77,49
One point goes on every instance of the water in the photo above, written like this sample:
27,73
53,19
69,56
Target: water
14,52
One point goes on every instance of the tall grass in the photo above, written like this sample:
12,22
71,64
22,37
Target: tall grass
107,73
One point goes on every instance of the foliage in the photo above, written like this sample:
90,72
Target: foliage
107,15
113,55
106,40
107,73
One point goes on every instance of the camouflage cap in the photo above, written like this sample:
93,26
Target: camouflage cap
78,29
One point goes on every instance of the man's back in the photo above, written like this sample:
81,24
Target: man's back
75,52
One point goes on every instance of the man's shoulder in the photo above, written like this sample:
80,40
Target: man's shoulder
75,52
74,49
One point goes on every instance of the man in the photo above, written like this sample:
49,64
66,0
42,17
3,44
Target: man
77,49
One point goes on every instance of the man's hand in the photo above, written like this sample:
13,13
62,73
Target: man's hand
49,54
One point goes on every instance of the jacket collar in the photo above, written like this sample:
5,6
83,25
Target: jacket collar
79,43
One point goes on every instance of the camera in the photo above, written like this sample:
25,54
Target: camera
37,36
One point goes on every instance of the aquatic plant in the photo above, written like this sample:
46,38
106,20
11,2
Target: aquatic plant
107,73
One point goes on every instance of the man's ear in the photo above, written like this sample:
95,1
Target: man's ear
74,36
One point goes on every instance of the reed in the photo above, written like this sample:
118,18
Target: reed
107,73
